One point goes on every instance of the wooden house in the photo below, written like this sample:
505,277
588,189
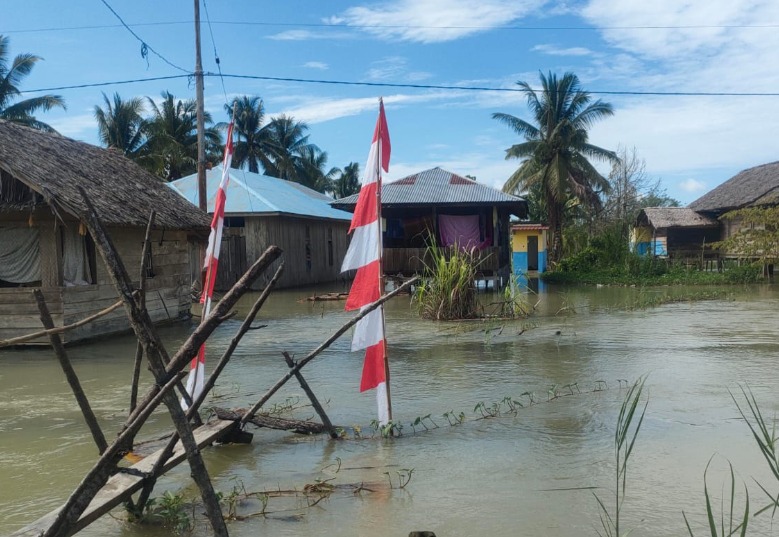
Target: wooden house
261,211
43,243
528,245
437,205
753,187
674,232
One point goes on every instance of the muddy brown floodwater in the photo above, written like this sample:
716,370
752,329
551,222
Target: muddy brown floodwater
529,474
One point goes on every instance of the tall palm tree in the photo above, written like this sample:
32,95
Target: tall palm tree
172,137
253,146
348,182
556,149
121,125
11,76
288,140
310,169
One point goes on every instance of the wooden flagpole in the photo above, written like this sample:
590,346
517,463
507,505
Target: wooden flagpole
379,161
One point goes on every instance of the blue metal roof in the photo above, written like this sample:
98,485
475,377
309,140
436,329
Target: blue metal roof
251,193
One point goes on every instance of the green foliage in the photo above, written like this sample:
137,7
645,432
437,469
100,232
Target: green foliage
751,273
447,291
171,511
758,237
12,73
725,530
555,151
624,441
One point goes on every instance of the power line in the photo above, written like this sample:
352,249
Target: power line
145,47
513,90
408,86
216,54
402,26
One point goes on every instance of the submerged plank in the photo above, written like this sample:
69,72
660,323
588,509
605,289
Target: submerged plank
121,486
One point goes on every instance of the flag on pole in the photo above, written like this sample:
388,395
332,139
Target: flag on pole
364,255
196,377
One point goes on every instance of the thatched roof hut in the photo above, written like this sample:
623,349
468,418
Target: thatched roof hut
51,167
674,217
754,186
42,244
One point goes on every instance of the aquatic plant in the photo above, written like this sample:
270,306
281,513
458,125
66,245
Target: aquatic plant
712,523
404,477
447,291
624,442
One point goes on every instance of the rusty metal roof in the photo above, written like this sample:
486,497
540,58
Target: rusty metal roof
439,187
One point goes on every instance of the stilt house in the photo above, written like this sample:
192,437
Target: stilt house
440,206
43,243
675,232
262,210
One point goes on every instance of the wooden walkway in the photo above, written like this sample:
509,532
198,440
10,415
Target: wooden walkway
121,486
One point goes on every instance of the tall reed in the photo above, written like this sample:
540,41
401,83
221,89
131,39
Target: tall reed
447,291
624,442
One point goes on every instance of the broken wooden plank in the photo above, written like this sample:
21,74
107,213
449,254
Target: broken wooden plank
121,486
271,422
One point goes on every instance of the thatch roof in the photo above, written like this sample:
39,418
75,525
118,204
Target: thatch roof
122,192
668,217
754,186
438,187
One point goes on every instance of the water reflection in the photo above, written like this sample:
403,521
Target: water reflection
531,473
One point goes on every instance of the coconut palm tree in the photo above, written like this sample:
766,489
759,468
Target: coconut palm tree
11,76
121,125
556,149
252,149
172,138
310,169
288,140
348,182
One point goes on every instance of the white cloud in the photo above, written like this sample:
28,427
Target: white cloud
308,35
318,110
434,21
80,127
692,186
553,50
322,66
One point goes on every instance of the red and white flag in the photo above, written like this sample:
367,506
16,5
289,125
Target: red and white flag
364,255
196,377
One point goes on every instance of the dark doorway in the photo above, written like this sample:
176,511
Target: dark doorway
532,253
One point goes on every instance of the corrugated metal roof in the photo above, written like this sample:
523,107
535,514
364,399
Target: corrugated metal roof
252,193
437,187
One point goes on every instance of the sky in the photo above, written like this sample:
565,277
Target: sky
423,57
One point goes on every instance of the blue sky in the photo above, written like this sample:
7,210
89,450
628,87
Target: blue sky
690,143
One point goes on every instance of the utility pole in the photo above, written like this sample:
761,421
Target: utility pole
201,148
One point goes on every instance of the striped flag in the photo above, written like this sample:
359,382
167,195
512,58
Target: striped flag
364,255
196,377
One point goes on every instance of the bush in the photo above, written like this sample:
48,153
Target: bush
744,274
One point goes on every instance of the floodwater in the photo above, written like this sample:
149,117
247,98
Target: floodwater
532,473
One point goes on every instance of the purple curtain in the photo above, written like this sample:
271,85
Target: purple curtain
461,230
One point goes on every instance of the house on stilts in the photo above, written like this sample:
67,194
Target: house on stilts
44,244
448,209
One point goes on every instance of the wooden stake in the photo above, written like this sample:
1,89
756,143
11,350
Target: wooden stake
70,374
313,354
142,305
311,397
195,405
155,354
